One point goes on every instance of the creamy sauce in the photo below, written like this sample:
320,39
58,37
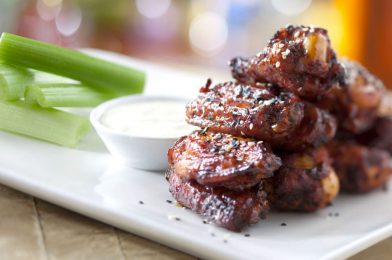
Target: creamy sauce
157,119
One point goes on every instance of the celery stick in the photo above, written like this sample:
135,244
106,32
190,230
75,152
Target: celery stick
97,73
44,78
64,95
48,124
13,82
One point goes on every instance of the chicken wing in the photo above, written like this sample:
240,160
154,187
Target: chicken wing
227,208
359,168
263,112
357,104
317,128
260,112
297,58
217,159
305,182
379,136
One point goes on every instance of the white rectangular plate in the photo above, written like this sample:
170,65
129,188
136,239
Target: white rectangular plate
87,181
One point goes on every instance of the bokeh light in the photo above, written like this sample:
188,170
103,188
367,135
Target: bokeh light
291,7
69,20
48,10
208,33
152,8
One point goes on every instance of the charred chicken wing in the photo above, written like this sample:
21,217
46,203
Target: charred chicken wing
217,159
318,127
227,208
305,182
357,103
238,109
359,168
297,58
264,113
379,136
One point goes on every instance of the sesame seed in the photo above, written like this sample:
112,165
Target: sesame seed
251,126
141,202
277,64
247,235
169,201
283,224
251,144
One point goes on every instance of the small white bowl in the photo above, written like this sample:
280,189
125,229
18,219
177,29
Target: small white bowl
147,153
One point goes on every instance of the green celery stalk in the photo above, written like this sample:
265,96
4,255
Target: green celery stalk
45,78
13,82
48,124
64,95
94,72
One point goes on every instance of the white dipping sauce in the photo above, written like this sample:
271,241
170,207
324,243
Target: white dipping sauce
154,118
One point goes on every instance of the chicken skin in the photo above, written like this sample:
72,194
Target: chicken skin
360,169
229,209
306,182
297,58
217,159
263,112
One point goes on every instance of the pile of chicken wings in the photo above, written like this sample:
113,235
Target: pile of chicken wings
295,126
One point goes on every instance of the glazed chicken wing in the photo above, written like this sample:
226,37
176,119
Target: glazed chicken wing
359,168
305,182
263,112
226,208
297,58
217,159
244,110
355,105
379,136
317,127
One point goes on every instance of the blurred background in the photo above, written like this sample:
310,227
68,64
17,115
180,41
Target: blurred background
203,32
